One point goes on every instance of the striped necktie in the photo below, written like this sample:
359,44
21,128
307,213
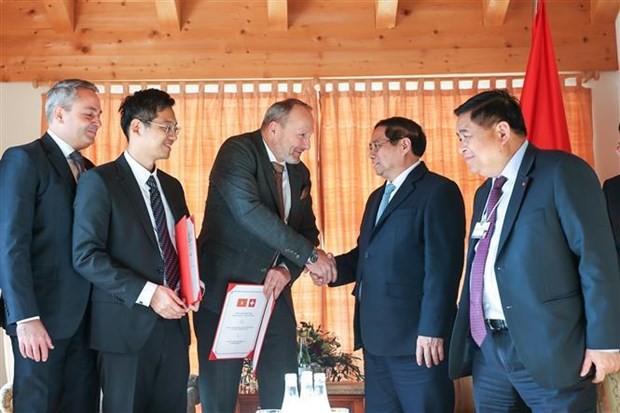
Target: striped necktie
169,254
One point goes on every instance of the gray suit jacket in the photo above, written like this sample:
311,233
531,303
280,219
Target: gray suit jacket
556,270
37,278
242,232
115,247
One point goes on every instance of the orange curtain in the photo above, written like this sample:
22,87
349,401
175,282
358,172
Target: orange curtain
345,113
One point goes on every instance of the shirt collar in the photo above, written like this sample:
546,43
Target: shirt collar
272,157
140,172
64,146
398,181
512,167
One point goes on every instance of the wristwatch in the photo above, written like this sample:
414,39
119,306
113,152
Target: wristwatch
314,257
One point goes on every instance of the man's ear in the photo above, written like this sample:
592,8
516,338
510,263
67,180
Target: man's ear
503,131
405,144
135,126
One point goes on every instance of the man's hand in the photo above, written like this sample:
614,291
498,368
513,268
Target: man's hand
167,304
34,342
277,278
323,271
605,362
429,351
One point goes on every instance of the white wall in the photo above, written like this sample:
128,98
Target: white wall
20,113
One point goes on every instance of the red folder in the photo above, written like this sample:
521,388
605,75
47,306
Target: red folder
185,235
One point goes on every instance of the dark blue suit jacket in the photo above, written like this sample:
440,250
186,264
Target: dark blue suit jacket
37,278
409,265
556,270
611,189
114,247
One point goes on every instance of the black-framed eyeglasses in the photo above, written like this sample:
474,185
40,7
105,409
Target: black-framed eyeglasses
169,128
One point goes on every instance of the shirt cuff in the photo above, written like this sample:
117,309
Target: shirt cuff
25,320
147,293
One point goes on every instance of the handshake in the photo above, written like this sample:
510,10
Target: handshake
323,270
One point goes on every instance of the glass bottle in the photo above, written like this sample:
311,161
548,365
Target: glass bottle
290,403
320,394
306,395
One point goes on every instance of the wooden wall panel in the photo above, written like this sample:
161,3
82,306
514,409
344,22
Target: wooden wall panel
124,40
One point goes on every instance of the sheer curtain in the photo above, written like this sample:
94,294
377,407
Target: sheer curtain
345,113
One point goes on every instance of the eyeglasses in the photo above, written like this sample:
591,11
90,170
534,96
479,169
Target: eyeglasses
169,128
375,145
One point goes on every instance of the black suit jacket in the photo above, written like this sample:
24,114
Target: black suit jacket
611,189
409,264
115,247
556,270
36,216
242,232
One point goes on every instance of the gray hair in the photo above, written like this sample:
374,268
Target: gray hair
63,94
280,110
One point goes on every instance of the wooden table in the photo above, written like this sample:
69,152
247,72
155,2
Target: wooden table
349,395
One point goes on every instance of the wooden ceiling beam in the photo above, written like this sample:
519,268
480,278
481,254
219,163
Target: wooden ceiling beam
494,12
169,14
277,15
61,14
604,10
386,11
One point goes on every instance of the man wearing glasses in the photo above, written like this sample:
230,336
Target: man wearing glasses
406,268
124,243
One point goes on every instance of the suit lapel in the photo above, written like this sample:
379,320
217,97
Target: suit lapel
266,167
129,184
518,193
58,161
403,193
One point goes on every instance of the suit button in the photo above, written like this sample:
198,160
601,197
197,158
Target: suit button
498,268
160,270
366,254
263,270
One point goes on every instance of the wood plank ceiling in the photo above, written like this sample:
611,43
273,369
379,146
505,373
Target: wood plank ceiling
43,40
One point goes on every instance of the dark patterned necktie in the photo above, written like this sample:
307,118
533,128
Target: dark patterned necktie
476,312
279,170
169,254
78,161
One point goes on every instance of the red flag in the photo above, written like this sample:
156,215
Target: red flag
541,97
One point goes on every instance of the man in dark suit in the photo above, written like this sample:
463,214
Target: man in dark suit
124,243
45,300
611,189
538,316
251,234
406,268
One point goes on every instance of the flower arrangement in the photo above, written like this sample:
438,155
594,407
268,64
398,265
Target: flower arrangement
320,350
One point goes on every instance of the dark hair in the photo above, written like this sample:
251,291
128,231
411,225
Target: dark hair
397,128
63,94
493,106
280,110
143,105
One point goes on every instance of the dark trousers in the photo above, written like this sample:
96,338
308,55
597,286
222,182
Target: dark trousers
396,384
65,383
153,380
501,383
219,379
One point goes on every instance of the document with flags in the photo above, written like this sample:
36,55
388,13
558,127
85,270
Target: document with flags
243,323
185,235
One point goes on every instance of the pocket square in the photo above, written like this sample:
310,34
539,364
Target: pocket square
305,192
